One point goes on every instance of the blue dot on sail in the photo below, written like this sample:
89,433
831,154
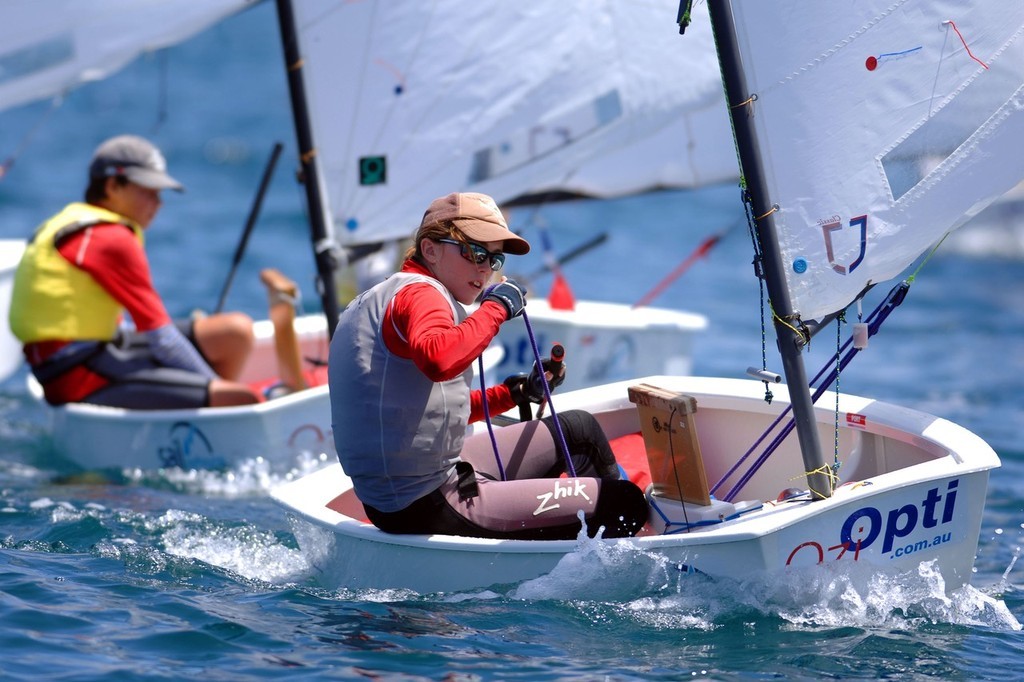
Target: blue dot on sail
799,266
351,224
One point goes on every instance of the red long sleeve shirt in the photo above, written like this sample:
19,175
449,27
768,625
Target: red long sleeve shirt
113,257
418,325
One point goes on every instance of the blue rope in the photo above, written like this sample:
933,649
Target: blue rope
487,418
570,468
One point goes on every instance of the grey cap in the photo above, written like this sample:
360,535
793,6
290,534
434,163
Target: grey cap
135,158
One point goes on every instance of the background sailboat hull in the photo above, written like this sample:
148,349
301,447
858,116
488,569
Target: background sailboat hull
279,430
603,341
10,347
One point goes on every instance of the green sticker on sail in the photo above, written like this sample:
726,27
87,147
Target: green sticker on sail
373,170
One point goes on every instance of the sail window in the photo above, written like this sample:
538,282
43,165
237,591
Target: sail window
944,131
528,144
37,57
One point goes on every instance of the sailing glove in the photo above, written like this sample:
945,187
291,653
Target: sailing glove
509,294
530,389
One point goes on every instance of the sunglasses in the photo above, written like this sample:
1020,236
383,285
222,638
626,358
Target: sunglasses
477,254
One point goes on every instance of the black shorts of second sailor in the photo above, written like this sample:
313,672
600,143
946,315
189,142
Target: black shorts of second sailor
138,381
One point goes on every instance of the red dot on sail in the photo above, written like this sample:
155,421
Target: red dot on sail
871,63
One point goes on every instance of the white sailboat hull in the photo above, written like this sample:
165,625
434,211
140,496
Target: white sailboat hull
604,342
279,430
10,348
915,490
94,437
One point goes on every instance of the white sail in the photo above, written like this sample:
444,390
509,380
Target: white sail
410,101
50,46
881,128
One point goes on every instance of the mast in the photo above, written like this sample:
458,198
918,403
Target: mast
321,234
790,341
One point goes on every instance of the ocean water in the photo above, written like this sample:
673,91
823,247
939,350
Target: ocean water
172,574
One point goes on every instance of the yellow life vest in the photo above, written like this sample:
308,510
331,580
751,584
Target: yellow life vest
54,300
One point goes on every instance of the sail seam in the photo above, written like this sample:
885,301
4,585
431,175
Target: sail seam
827,54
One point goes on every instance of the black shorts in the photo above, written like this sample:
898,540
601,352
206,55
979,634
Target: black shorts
138,381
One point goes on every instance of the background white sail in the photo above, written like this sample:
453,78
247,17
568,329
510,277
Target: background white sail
50,46
410,101
881,129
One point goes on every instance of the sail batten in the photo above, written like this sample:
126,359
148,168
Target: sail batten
48,48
